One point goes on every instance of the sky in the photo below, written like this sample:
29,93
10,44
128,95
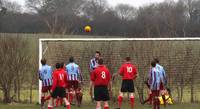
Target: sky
135,3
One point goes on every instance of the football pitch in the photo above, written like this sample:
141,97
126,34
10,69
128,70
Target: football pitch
92,106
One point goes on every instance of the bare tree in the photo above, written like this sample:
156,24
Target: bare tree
125,12
59,15
14,60
94,8
11,6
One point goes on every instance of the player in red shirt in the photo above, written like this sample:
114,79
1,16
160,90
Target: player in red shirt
58,87
60,100
129,73
100,79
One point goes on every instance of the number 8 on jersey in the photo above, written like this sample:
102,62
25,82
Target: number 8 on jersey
103,74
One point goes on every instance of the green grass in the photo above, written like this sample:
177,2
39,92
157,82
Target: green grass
25,95
92,106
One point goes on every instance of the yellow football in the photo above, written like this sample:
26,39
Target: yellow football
88,28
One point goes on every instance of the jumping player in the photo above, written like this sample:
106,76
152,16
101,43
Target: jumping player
92,65
154,82
94,61
74,80
58,87
45,75
100,78
129,73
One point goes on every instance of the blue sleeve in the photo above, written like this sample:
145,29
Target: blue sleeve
164,77
79,73
91,65
152,79
66,68
51,70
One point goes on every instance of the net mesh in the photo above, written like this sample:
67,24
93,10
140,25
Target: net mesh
180,59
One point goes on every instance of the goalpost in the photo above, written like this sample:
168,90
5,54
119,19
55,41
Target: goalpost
43,49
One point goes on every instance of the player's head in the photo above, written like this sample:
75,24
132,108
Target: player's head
100,61
127,59
97,54
62,65
43,61
153,63
57,65
71,59
156,60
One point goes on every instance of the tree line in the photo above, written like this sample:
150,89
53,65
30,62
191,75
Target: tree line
165,19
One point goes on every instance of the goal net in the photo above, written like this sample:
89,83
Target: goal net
179,56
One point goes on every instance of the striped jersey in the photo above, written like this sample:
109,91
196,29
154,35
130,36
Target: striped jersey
73,71
93,64
45,74
154,79
162,73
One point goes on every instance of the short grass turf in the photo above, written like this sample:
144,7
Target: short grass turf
92,106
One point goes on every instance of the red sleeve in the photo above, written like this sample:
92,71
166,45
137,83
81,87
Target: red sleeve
121,70
92,76
136,71
54,81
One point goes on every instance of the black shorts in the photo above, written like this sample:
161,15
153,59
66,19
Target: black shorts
101,93
127,86
59,92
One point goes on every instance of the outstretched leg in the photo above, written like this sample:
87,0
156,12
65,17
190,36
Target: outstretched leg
149,99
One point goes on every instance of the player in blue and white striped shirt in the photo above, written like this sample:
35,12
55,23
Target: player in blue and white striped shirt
154,82
74,78
92,65
73,71
163,76
94,61
45,75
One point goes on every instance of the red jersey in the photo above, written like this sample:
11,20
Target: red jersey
128,71
100,76
59,79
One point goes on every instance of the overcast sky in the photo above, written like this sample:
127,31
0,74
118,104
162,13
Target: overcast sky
135,3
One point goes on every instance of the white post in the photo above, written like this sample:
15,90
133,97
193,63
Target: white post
40,57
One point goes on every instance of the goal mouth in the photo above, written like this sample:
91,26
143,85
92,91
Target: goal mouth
172,52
